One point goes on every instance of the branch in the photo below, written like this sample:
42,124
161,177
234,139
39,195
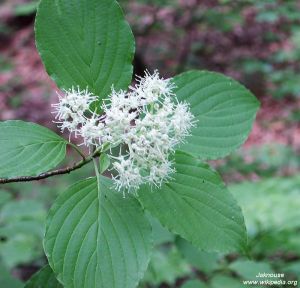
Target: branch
49,174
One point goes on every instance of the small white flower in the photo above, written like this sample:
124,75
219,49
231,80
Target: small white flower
150,122
71,108
128,176
147,120
182,121
151,88
161,173
92,130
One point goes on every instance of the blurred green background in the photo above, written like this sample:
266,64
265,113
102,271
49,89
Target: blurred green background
254,41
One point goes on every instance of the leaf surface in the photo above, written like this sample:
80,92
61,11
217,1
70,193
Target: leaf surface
224,110
197,206
28,149
44,278
97,240
85,43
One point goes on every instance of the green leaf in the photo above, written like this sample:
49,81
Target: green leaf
4,197
19,249
26,227
22,210
249,269
197,206
7,280
222,281
44,278
260,215
22,229
160,234
203,261
97,241
26,9
224,109
194,284
166,266
85,43
28,149
104,162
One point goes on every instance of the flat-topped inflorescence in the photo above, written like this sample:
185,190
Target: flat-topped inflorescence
148,121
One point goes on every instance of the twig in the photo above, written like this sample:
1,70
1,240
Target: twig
49,174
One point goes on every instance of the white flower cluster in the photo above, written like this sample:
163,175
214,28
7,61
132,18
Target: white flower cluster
147,120
71,108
